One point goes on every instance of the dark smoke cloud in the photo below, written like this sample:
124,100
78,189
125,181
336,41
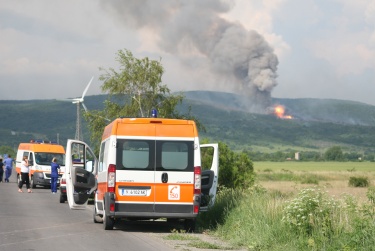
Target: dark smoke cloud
194,29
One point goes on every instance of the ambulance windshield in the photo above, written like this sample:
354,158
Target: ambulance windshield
46,158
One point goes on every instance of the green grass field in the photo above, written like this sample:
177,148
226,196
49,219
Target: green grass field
298,206
315,166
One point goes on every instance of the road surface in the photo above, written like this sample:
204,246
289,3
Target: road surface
37,221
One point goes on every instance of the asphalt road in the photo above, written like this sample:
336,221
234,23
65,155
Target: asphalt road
37,221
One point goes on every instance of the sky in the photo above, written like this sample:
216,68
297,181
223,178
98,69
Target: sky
261,49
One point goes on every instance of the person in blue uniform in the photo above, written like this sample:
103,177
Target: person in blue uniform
54,175
1,169
8,167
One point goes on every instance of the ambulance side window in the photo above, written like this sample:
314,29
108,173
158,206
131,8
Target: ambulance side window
103,156
26,154
31,159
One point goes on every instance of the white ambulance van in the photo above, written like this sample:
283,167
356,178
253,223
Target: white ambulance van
148,168
40,154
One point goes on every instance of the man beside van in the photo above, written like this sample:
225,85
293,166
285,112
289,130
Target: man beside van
8,167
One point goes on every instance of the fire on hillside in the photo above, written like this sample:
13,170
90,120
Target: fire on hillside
279,111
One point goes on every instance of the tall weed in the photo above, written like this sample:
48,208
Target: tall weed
312,220
311,210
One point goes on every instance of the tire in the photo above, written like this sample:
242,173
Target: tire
62,198
19,179
32,184
189,225
108,222
96,217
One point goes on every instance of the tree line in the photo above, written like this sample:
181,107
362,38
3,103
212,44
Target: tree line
334,153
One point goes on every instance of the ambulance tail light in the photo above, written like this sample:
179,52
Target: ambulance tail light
111,181
197,188
197,180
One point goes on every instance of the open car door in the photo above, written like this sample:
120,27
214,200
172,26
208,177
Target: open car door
81,169
210,175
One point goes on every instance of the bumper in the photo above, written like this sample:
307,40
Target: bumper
146,211
44,182
62,190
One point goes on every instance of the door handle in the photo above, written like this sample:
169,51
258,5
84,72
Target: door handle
164,177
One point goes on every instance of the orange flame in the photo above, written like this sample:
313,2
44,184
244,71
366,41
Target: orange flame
279,111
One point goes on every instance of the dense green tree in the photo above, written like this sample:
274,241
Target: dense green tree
334,153
235,169
351,156
7,150
133,91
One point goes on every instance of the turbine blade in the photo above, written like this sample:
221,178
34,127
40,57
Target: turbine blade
68,100
87,87
84,107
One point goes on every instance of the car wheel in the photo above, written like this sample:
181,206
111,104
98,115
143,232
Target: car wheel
108,222
97,218
189,225
62,198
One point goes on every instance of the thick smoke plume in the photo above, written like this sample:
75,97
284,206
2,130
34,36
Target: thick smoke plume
195,29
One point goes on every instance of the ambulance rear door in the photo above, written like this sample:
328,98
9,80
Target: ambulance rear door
210,175
80,169
135,171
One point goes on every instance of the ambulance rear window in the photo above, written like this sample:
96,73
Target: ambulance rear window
135,154
174,155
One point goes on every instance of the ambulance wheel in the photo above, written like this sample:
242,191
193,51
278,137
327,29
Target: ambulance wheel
108,222
189,225
32,183
19,179
96,216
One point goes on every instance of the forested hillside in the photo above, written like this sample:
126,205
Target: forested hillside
316,124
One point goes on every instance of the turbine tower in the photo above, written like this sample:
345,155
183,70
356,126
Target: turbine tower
78,102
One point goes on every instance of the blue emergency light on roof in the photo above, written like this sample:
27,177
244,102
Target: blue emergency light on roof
40,141
154,113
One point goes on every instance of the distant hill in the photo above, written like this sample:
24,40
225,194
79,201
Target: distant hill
307,109
316,124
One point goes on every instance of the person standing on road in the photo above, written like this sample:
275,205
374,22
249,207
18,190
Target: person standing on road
8,167
1,169
54,175
25,169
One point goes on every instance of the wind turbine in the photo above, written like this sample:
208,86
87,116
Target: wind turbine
78,102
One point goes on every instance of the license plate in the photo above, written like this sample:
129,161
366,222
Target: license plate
133,192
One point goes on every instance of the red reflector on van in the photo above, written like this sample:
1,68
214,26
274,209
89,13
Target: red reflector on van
196,209
112,207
